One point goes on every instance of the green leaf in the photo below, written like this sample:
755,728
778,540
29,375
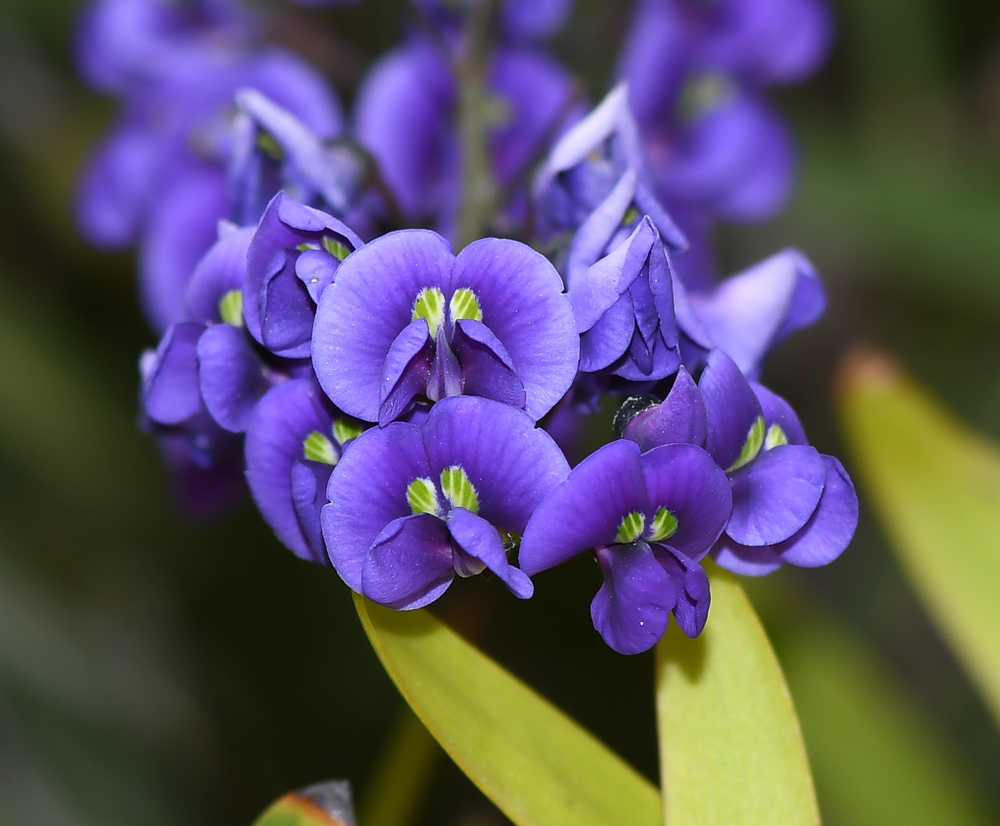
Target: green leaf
325,804
935,487
538,766
879,760
731,752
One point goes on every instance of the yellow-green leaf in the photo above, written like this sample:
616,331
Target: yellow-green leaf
538,766
935,486
731,753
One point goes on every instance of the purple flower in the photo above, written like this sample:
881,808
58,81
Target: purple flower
294,441
520,19
405,117
649,519
790,503
412,505
407,320
749,314
294,256
592,167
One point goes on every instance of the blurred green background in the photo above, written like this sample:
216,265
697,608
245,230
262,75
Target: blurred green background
159,671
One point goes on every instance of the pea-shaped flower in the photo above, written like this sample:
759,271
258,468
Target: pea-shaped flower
649,518
407,320
414,505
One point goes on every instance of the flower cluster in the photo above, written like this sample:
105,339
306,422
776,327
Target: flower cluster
404,413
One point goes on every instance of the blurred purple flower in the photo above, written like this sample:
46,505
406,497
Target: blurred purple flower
405,117
406,320
414,505
649,519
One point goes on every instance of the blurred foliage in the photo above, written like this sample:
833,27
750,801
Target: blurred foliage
161,672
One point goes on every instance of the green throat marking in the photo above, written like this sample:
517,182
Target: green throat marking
465,305
317,448
775,436
664,525
631,528
751,447
458,489
429,306
422,497
231,308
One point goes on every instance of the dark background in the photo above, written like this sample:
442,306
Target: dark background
158,671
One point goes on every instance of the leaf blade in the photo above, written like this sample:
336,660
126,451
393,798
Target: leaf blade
935,487
731,752
538,766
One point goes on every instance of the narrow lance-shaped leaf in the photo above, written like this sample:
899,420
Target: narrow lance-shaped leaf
731,753
935,486
538,766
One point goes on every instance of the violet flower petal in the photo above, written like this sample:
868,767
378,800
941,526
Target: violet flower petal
831,527
220,270
410,564
478,538
777,411
585,511
522,301
512,464
282,420
406,370
685,480
774,496
231,376
693,592
632,608
171,394
730,406
745,560
309,483
486,365
680,418
368,491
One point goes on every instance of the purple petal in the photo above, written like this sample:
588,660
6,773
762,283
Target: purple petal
592,291
282,420
402,117
654,58
521,297
368,491
657,361
286,312
609,338
748,314
406,370
171,394
831,527
680,418
181,229
745,560
479,539
693,592
486,366
685,480
410,564
231,376
595,233
220,270
534,19
309,483
584,512
777,411
774,496
369,304
730,407
512,464
445,373
633,606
